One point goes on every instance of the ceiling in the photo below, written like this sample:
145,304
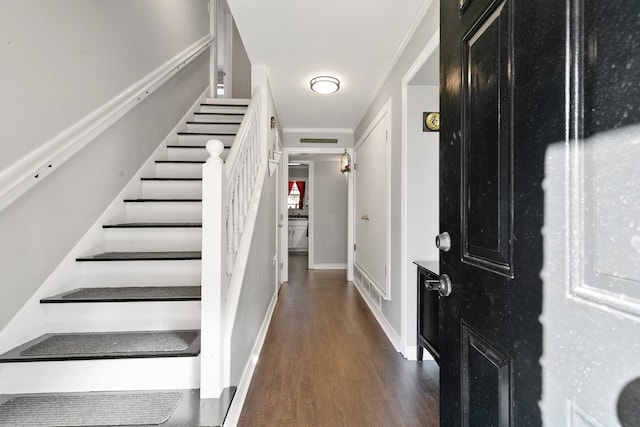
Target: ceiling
356,41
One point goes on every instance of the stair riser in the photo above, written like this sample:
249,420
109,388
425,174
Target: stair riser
190,154
123,316
213,128
172,170
228,101
218,118
222,109
164,212
227,140
153,239
139,273
171,189
100,375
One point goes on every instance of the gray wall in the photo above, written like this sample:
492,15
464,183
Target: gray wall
392,88
62,60
291,138
329,214
240,67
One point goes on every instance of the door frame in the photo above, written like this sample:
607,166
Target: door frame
286,152
408,307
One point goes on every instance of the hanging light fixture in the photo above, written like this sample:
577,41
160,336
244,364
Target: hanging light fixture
345,162
325,84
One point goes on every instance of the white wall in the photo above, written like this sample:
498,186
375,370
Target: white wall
392,88
292,137
329,214
61,61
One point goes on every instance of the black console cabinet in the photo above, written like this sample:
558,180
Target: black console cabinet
427,316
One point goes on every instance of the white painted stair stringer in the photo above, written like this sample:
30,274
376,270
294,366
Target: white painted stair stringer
171,189
151,239
213,127
100,375
178,170
29,322
122,316
217,118
196,139
240,109
228,101
140,273
163,211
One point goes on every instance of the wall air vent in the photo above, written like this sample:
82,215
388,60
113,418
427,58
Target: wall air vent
319,140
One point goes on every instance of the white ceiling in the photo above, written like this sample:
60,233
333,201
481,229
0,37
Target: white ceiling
354,40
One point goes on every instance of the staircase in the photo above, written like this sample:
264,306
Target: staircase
131,320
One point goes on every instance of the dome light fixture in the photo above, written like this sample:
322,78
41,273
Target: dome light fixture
325,84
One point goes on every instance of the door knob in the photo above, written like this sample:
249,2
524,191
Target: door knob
280,225
443,241
442,285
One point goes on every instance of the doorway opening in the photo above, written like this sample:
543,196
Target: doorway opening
317,204
419,186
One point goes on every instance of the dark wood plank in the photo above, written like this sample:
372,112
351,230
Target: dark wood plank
326,362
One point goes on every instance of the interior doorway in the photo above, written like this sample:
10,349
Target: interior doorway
320,224
419,184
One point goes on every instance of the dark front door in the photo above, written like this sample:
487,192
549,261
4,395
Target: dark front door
502,102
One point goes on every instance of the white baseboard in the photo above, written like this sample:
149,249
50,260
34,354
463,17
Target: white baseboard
393,336
323,266
233,416
411,353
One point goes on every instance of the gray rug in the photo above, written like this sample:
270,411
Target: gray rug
135,293
99,409
114,342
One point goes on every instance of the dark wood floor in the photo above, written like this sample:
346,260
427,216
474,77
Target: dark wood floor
326,362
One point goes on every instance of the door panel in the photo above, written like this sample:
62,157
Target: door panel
486,142
591,313
502,103
371,228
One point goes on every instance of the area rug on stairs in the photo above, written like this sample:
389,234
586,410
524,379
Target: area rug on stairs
91,409
117,342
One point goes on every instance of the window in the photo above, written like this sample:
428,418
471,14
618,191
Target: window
295,200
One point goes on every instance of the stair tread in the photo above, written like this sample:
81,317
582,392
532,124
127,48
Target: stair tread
160,200
222,104
160,178
127,294
106,345
155,225
218,114
208,133
212,123
181,161
202,147
143,256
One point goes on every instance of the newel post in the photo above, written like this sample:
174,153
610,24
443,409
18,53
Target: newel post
213,272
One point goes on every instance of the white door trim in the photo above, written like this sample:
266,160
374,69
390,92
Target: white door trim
286,152
407,306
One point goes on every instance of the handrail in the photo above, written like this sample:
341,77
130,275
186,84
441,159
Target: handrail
35,166
230,193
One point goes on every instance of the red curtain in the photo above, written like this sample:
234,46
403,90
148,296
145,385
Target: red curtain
290,187
300,185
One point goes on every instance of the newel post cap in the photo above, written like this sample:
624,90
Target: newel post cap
215,148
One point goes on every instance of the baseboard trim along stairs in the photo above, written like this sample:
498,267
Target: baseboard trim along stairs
129,321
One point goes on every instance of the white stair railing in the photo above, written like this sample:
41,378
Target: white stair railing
229,189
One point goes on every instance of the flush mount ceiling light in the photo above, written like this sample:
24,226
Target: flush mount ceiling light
325,84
